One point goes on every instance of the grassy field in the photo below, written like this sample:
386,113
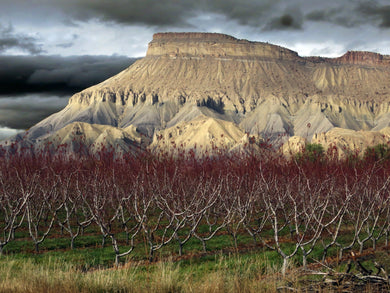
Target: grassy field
89,268
221,274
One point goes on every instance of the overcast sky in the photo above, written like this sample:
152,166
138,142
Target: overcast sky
68,45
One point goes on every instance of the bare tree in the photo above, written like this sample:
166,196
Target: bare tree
237,201
73,216
42,207
376,198
105,199
15,192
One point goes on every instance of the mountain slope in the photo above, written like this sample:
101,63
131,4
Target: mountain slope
264,89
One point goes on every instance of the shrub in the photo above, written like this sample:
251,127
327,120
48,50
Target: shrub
377,152
313,152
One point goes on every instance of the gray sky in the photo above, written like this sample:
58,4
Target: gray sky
124,27
71,44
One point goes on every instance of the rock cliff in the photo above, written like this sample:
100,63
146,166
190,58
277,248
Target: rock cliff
200,45
363,58
355,58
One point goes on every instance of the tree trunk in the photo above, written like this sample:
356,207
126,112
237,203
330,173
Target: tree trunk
304,259
361,247
103,241
117,257
235,241
284,267
151,253
204,245
324,254
180,249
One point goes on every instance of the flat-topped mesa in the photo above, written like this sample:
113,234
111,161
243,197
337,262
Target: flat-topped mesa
363,58
200,45
355,58
193,36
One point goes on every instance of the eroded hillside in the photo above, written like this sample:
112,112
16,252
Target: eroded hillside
260,88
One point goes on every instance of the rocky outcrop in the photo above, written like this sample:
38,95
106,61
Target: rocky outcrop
363,58
197,45
355,58
201,134
295,144
81,137
350,142
215,37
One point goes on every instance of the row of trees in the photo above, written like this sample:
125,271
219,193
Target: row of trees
290,207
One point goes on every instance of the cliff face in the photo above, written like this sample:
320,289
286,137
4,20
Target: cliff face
214,37
363,58
263,89
213,45
220,45
355,58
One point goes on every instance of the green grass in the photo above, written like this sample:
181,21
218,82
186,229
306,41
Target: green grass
89,267
247,272
220,273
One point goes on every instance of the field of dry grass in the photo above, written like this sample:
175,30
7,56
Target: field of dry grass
252,272
58,276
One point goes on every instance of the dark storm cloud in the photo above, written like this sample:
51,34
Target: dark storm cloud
151,12
29,74
177,12
353,13
22,112
275,14
286,21
264,14
34,87
135,11
11,40
336,15
246,12
291,19
258,13
378,13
